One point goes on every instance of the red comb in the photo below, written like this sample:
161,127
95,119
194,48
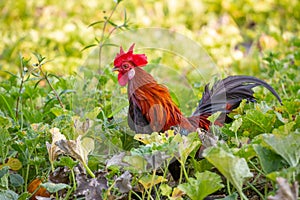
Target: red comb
138,60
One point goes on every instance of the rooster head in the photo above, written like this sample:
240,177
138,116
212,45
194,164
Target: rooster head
126,62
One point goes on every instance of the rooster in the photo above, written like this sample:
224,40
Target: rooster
151,108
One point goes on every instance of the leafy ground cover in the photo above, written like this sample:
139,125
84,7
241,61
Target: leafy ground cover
63,131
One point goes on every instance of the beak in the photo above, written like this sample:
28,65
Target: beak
115,69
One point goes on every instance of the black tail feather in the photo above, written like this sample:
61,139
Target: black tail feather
227,94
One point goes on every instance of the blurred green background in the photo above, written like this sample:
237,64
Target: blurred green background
235,33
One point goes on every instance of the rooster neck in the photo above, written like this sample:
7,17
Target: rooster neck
140,79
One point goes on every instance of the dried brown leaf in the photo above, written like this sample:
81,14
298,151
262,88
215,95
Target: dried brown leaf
285,190
53,150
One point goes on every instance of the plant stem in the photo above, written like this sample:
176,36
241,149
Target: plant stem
243,195
103,31
20,90
26,176
152,185
256,168
89,171
74,180
185,173
256,190
228,187
136,195
52,88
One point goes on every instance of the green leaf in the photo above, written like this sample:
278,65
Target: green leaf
235,169
137,163
39,57
288,173
257,122
269,160
214,117
67,161
24,196
201,165
188,146
285,129
89,46
5,122
8,195
16,180
149,180
287,146
165,189
3,171
236,125
94,23
58,111
53,187
66,92
205,183
246,152
93,113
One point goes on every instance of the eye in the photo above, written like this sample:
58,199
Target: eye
125,66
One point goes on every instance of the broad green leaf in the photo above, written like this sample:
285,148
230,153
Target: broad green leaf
235,169
188,146
3,171
269,160
285,129
67,161
256,122
205,183
246,152
287,146
137,163
16,180
8,195
149,180
55,187
201,165
165,189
